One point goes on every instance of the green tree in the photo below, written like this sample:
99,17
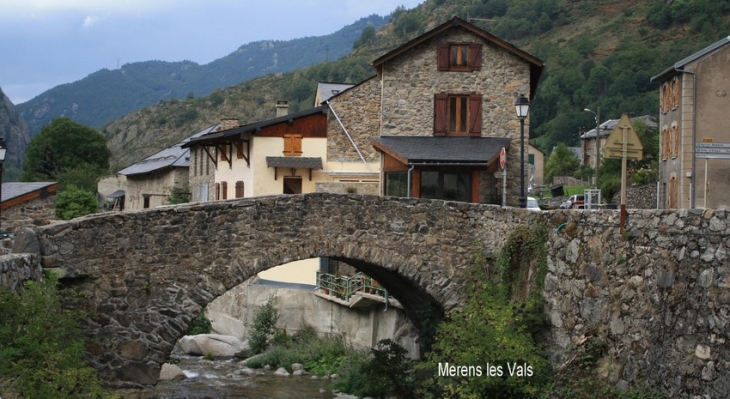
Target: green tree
74,202
263,327
62,145
178,195
366,38
562,162
42,351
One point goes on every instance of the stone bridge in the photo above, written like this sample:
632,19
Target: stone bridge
657,295
149,273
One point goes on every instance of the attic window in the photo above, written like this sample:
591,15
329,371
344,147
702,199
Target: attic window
335,91
460,57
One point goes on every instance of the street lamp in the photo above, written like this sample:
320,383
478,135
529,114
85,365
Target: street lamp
597,114
3,150
522,107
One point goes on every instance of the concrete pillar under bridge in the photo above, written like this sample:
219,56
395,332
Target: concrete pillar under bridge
657,295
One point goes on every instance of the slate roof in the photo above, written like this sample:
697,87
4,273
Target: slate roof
235,132
442,150
294,162
12,190
608,126
174,156
327,90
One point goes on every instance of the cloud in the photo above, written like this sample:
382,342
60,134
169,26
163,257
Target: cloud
91,20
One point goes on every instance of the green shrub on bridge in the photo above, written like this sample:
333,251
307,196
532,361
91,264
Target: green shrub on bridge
42,351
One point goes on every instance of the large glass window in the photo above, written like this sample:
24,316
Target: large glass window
453,186
396,184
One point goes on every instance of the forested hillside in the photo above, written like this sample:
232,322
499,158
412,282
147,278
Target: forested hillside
596,53
109,94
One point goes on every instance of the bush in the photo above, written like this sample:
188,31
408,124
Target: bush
74,202
42,352
199,325
263,328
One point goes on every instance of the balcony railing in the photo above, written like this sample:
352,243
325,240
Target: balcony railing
344,287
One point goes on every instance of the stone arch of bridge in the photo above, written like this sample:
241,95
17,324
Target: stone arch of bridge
148,274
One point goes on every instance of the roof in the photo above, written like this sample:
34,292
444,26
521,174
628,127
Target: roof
174,156
18,189
536,64
327,90
679,65
251,127
294,162
116,194
442,150
608,126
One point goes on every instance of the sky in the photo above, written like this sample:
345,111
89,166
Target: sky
45,43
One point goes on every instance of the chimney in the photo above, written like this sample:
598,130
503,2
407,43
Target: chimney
228,123
282,108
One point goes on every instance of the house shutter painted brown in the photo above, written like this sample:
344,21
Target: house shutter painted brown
475,56
475,115
224,190
440,122
217,191
442,57
239,189
293,144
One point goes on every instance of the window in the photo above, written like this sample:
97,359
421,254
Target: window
292,185
217,191
224,190
453,186
666,143
146,203
396,184
531,159
459,57
293,145
457,114
239,189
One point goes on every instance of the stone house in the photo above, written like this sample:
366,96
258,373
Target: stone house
147,183
27,204
694,164
437,114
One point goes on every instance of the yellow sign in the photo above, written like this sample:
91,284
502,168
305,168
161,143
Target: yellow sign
623,139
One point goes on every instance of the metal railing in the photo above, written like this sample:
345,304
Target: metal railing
344,287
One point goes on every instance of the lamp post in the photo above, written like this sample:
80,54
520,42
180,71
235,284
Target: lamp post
597,114
2,159
522,107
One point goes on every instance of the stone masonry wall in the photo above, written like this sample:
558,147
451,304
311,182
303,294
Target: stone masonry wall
658,295
36,212
359,111
16,269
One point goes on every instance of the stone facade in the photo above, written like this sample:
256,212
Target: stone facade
155,186
36,212
348,188
359,111
657,295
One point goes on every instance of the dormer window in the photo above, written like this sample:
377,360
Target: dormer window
461,57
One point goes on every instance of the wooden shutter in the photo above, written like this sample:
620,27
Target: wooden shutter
239,149
475,115
675,147
217,191
475,56
292,144
239,189
224,190
442,57
440,122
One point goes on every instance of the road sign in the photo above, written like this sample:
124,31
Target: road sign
704,144
624,130
502,158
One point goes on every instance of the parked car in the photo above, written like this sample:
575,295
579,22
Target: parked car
573,202
532,204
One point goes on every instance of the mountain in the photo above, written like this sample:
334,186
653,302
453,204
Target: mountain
107,94
17,137
597,54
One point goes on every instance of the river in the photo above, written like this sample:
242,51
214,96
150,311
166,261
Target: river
219,379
